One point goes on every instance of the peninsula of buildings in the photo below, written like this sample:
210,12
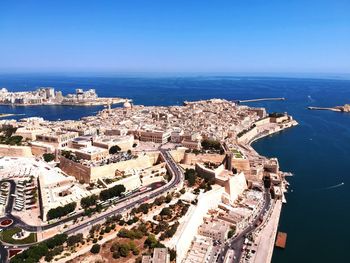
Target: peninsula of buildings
142,184
48,96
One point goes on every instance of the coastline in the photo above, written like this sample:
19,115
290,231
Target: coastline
262,131
267,232
99,102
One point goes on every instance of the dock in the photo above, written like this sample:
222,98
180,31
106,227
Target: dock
281,240
261,99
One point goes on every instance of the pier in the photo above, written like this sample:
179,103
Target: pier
261,99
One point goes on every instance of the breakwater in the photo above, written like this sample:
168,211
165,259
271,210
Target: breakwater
324,108
261,99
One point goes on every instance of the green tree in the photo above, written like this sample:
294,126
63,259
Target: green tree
114,191
88,201
190,176
168,198
208,144
95,249
48,157
151,241
133,248
72,240
60,211
230,233
114,149
159,200
166,211
143,208
124,250
172,253
57,240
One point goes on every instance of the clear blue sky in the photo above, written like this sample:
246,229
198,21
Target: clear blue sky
175,35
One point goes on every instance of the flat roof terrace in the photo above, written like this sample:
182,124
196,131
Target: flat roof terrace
91,150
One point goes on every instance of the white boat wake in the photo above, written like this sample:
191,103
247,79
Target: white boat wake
333,186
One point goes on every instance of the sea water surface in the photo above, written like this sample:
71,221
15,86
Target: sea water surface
317,215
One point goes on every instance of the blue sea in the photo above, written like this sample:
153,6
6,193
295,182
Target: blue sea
317,214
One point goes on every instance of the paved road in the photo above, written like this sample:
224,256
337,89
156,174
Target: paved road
237,242
123,205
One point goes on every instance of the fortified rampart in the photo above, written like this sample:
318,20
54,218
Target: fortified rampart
194,218
192,159
92,174
15,151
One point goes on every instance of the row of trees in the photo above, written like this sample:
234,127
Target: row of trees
144,208
47,249
89,201
209,144
75,239
131,234
12,140
60,211
114,191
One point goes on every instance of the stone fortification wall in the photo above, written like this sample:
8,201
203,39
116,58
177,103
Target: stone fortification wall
15,151
79,171
130,182
202,170
236,185
248,135
263,121
178,154
194,219
192,159
109,170
39,150
91,174
242,165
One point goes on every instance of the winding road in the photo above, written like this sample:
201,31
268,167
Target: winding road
237,242
124,204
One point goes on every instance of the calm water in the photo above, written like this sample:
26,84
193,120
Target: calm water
316,216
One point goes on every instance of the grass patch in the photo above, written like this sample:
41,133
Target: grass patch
237,154
6,236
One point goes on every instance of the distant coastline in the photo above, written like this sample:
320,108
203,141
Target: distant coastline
345,108
47,96
97,102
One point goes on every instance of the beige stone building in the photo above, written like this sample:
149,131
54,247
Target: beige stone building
31,132
215,229
124,142
58,139
91,171
160,255
156,136
92,153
